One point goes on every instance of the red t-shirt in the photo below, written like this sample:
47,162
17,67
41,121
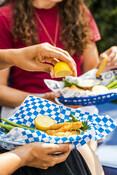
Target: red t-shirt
33,81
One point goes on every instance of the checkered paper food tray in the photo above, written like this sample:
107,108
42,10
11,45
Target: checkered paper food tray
100,126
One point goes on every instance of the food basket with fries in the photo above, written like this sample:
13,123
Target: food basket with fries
87,89
98,126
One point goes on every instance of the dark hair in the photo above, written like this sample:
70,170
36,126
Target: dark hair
75,33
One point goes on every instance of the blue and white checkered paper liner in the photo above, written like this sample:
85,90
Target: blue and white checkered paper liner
33,106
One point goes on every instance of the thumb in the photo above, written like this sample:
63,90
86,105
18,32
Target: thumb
102,56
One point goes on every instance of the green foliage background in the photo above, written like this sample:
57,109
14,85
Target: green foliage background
105,15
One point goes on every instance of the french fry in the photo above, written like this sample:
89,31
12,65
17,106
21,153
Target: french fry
101,67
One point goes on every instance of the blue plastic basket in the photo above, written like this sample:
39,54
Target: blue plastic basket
88,101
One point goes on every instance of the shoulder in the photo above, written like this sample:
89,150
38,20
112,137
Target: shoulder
6,26
6,16
89,14
93,26
6,12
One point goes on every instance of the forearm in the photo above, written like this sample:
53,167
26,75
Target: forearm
87,67
91,58
11,57
11,161
5,59
11,97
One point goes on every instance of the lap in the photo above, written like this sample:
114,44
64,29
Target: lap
74,165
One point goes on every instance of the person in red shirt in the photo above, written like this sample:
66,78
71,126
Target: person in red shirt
67,24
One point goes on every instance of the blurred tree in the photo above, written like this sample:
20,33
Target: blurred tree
105,14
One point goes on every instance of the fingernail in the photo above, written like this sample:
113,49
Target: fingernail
71,146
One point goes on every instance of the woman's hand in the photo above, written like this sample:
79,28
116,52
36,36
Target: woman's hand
41,57
43,155
111,54
51,96
73,106
38,155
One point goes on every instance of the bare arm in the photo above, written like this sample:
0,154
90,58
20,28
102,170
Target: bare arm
12,97
33,58
91,58
4,62
9,96
38,155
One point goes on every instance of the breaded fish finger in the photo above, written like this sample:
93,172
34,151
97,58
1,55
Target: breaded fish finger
68,127
67,134
59,125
